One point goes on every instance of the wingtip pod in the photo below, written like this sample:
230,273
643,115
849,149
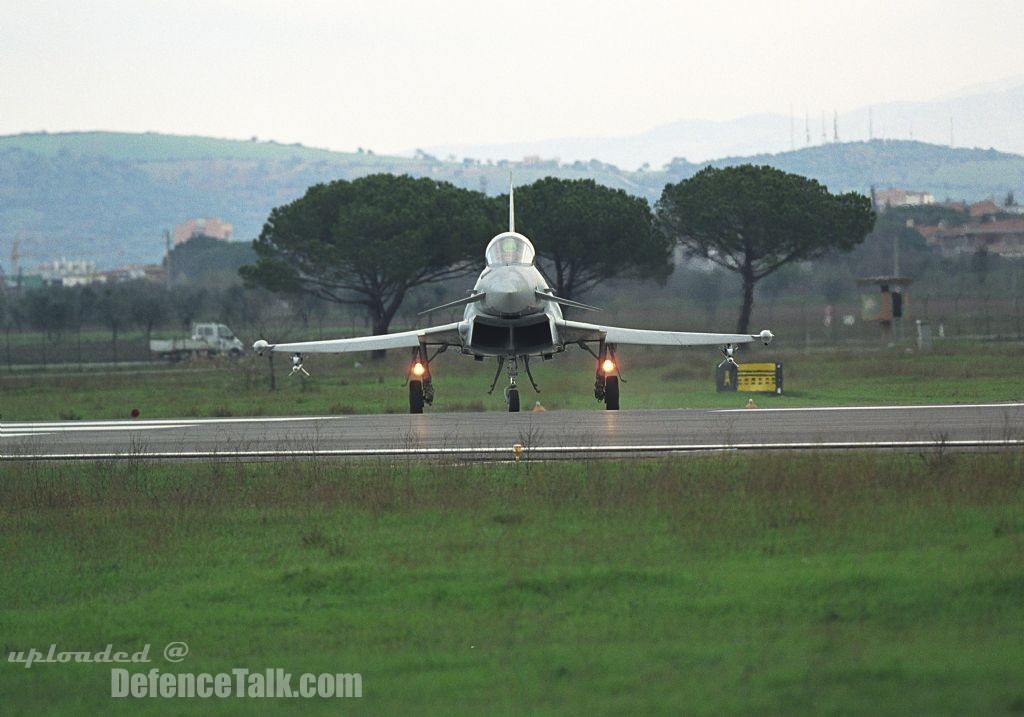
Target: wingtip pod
260,346
766,336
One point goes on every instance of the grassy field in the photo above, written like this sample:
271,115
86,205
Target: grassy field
865,584
959,373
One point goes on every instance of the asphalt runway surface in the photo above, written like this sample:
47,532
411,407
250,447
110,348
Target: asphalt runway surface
552,434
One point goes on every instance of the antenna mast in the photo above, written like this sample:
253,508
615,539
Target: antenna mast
16,264
167,258
792,129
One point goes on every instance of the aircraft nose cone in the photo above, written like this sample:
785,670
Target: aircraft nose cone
508,293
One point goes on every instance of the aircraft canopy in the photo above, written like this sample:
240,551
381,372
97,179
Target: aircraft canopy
509,248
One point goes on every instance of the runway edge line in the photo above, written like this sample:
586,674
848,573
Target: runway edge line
536,451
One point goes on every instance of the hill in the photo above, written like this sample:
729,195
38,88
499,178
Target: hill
109,196
857,166
984,116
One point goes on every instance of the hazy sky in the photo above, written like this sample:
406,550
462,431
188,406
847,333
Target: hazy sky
396,75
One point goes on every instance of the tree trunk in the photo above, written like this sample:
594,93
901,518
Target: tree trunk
380,326
382,316
743,324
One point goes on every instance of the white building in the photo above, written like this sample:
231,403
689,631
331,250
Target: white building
900,198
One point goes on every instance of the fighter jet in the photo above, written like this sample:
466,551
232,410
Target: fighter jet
512,315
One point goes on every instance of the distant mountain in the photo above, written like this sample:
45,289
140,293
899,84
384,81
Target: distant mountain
695,139
108,196
990,115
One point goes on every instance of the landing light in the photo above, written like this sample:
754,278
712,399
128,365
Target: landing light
608,366
418,369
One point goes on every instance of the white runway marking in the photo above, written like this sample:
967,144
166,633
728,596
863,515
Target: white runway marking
869,408
174,422
47,430
559,451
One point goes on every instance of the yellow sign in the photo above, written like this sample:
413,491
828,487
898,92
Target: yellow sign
758,377
750,377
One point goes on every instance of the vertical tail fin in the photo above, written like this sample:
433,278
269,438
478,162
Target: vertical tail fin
511,205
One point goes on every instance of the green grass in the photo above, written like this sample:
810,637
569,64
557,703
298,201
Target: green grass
654,379
856,584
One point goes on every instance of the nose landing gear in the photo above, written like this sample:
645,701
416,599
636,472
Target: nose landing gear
511,365
512,398
512,392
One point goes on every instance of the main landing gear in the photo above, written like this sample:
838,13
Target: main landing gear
421,387
511,364
606,382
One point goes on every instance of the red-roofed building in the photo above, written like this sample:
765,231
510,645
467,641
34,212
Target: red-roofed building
1004,237
984,209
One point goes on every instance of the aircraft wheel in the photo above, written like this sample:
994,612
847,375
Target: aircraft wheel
415,397
611,393
513,401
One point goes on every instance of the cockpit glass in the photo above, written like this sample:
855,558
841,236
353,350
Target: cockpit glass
509,248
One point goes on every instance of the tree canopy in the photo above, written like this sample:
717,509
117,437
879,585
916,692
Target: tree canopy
370,240
208,260
586,233
755,219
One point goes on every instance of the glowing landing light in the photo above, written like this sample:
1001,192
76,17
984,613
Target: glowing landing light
418,369
608,366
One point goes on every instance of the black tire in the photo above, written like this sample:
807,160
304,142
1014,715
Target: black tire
513,401
415,397
611,393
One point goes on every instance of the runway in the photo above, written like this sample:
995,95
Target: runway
544,435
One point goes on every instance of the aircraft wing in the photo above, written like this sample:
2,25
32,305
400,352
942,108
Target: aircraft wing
447,334
575,332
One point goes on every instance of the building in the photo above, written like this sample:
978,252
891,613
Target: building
1004,237
207,227
984,209
69,272
900,198
131,272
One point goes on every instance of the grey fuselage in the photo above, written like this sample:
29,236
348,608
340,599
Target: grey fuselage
510,319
